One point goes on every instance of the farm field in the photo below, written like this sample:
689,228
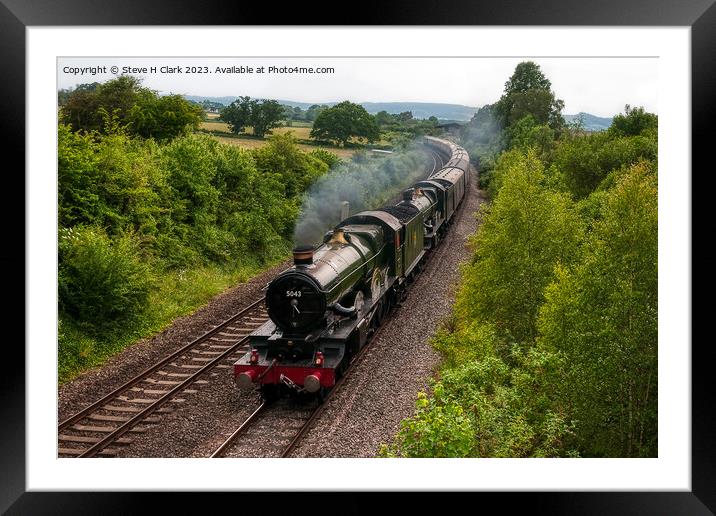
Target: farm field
251,143
301,133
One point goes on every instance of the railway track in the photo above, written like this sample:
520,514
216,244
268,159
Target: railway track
297,418
438,161
118,417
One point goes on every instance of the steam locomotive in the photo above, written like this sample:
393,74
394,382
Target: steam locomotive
325,307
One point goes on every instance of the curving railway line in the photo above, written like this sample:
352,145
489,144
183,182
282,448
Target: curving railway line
122,415
288,424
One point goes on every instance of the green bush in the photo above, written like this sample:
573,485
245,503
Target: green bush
486,408
298,170
101,281
440,428
584,161
325,156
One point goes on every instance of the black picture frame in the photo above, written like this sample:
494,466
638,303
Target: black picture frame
17,15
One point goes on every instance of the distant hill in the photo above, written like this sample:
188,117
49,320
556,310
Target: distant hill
419,109
591,122
444,112
423,109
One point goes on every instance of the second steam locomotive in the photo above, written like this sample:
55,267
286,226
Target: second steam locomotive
324,308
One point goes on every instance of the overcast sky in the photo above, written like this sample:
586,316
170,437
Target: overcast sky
600,86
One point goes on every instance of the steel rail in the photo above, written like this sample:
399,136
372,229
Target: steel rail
140,416
219,452
144,374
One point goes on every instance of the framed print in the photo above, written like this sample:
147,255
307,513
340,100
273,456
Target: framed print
192,184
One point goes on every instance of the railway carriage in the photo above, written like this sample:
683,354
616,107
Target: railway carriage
324,308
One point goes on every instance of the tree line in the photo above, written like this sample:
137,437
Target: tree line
124,102
551,350
143,112
340,124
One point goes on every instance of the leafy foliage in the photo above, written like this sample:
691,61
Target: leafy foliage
261,115
164,117
634,122
133,209
344,121
297,169
483,407
139,111
402,128
101,281
551,350
602,317
582,162
529,92
524,234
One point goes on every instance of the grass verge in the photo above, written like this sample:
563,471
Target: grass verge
176,294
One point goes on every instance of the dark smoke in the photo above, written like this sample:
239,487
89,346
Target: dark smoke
367,182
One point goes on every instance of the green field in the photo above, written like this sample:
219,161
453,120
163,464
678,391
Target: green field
302,132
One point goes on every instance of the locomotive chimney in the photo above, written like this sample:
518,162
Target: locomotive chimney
303,255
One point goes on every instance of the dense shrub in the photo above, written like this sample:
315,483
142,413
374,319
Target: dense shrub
136,110
584,161
486,408
101,281
297,169
327,157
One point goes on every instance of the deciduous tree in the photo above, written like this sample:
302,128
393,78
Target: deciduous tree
602,317
529,92
344,121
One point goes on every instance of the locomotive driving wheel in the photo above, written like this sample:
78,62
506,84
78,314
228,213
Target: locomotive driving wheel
359,303
377,318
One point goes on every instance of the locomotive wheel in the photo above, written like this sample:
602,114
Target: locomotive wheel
387,305
378,314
